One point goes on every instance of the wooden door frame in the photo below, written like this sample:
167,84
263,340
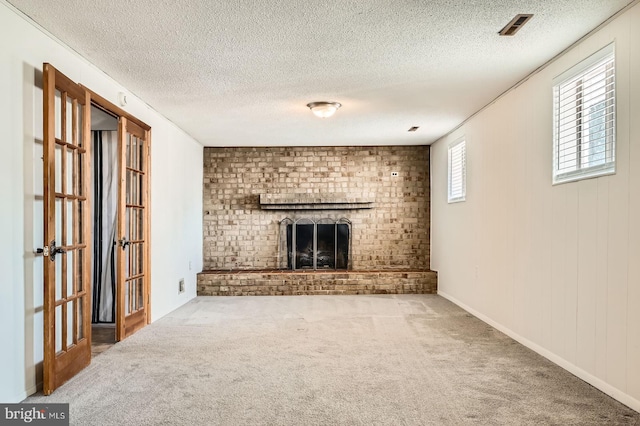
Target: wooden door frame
112,109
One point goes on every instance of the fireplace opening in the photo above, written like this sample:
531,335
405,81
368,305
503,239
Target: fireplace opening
317,245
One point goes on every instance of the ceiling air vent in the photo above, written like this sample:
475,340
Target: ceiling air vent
516,23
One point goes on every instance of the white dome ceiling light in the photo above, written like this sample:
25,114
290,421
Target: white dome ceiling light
324,109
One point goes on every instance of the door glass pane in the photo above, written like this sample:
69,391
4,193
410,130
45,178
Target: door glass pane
342,259
141,258
81,205
127,223
80,321
58,328
70,222
127,288
127,254
69,325
134,149
80,111
137,182
69,123
80,182
141,155
131,218
128,149
140,294
58,276
57,103
70,275
304,246
80,260
69,187
140,223
139,188
57,155
58,219
134,295
132,188
133,250
326,245
58,258
127,198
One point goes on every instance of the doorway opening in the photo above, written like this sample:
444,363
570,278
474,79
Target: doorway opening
104,192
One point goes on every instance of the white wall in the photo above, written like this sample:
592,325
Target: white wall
176,191
556,267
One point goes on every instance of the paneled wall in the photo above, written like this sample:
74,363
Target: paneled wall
394,234
556,267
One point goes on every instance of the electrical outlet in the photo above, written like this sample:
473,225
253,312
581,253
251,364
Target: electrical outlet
181,286
394,174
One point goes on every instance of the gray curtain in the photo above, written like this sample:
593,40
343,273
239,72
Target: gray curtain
105,197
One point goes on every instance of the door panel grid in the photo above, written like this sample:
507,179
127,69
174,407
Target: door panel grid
67,338
133,228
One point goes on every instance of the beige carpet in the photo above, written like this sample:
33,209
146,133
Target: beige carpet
328,360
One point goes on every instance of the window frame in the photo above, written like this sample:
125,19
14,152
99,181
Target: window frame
457,198
574,75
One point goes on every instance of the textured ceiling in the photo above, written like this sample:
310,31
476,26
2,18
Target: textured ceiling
239,73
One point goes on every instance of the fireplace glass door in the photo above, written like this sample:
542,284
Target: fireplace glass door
319,245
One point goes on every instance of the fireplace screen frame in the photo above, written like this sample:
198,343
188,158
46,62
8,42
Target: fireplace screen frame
290,232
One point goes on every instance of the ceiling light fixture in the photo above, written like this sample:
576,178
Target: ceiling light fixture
324,109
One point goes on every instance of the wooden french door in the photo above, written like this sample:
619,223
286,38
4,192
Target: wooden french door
67,249
67,229
132,291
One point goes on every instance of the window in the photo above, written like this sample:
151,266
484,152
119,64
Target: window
584,119
457,181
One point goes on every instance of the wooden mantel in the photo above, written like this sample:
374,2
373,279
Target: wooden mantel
306,201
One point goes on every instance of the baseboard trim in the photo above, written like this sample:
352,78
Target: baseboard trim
605,387
33,389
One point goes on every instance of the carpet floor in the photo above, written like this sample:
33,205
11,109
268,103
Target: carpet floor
328,360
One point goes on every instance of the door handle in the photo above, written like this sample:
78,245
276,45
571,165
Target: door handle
124,243
51,250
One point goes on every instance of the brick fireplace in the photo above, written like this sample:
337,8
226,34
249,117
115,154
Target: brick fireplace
321,220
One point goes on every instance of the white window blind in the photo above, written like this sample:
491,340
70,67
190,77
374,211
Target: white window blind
584,119
457,182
